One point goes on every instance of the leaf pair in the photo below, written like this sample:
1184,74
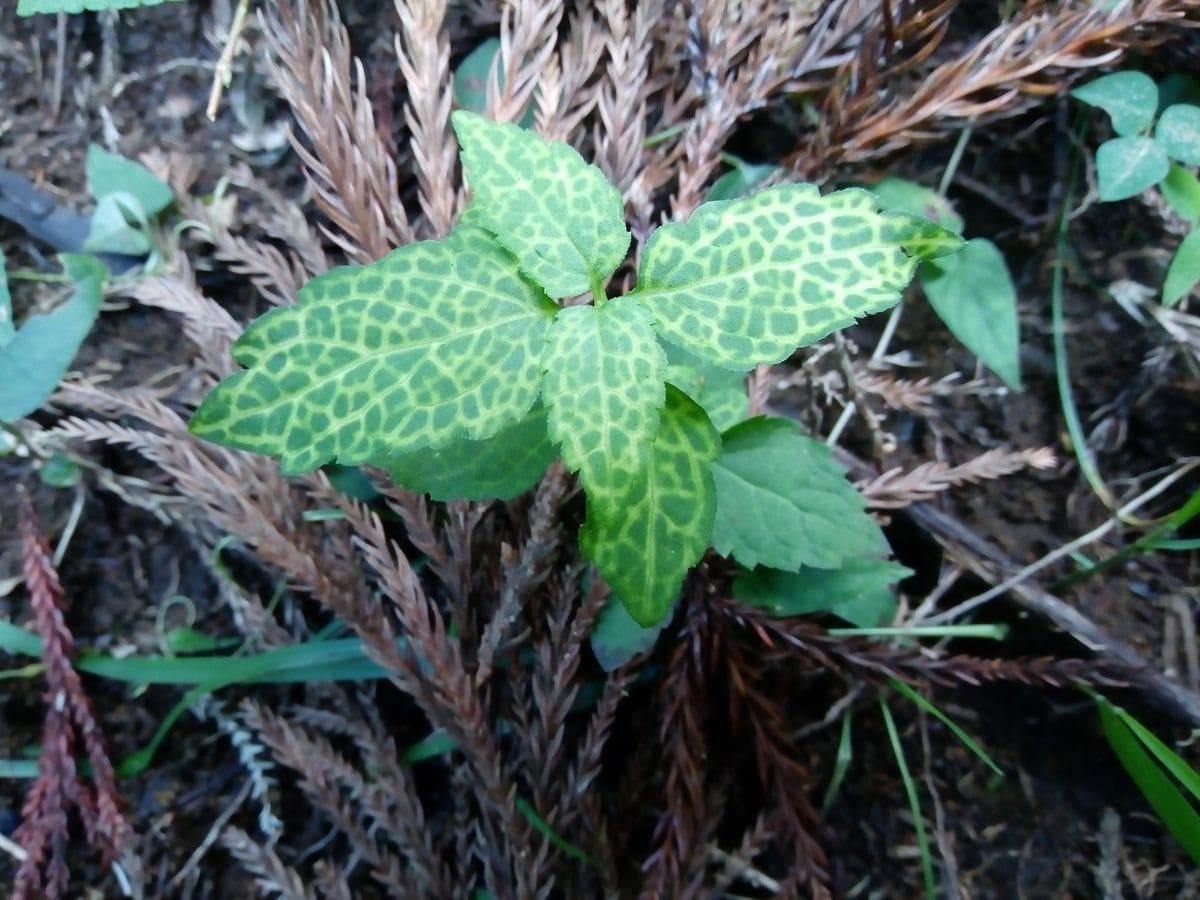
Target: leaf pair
449,362
1139,158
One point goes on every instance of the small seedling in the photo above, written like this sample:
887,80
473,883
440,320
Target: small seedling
450,363
971,291
1158,138
34,357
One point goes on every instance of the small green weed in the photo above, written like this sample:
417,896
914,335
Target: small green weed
450,363
1158,138
1169,784
35,356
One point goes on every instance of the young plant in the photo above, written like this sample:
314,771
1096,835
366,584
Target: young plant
972,291
450,363
1157,144
35,356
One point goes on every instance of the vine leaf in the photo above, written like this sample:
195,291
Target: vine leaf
508,463
664,525
437,341
747,281
604,388
558,215
783,502
1129,98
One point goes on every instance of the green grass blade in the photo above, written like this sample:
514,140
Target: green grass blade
982,631
914,802
335,660
1180,818
969,742
841,762
527,810
1168,758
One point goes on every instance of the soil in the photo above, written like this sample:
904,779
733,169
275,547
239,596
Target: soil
1065,807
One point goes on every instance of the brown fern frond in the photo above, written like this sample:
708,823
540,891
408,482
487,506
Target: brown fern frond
896,489
43,832
205,323
527,569
877,662
423,53
239,494
335,787
528,35
917,396
870,114
621,107
566,93
350,171
678,831
274,879
782,776
436,677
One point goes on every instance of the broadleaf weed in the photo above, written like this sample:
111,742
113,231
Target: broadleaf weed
456,347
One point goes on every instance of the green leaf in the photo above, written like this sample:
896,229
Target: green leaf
1184,271
7,327
1178,132
664,526
118,226
604,389
470,80
721,391
108,173
1126,166
1162,794
32,7
34,361
498,468
783,502
60,471
1129,98
617,638
910,197
555,213
859,591
741,180
1181,190
437,341
972,292
747,281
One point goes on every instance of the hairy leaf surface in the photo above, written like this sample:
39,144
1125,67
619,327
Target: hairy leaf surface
554,212
435,342
508,463
664,526
604,388
748,281
784,502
